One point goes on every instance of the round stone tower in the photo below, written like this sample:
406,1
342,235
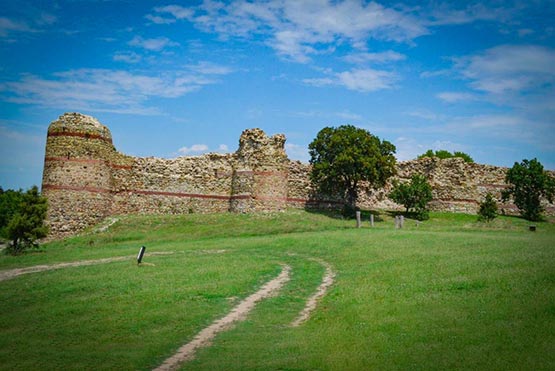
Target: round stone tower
77,177
259,180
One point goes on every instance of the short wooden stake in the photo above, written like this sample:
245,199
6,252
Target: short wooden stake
372,220
358,219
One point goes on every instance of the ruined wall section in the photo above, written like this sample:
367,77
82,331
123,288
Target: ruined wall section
173,186
457,186
260,175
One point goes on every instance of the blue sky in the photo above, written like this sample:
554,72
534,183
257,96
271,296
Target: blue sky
183,78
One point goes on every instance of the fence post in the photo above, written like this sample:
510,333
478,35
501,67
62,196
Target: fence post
358,219
372,220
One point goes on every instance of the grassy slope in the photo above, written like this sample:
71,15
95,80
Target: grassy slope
450,293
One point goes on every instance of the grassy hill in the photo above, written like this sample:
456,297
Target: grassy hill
448,293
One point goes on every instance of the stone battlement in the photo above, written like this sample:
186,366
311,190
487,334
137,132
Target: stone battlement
86,179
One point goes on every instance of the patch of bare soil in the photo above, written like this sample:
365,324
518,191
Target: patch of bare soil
239,313
12,273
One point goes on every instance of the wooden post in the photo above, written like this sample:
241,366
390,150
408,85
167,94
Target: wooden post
141,254
372,220
358,219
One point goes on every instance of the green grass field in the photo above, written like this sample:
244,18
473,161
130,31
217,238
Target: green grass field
450,293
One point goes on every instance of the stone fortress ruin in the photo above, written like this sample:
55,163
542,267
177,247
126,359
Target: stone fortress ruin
86,179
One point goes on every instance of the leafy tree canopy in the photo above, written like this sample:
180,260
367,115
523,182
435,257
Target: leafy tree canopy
443,154
342,157
25,214
528,184
414,195
10,201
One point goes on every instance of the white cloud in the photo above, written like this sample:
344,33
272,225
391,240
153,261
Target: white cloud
169,14
104,90
198,149
298,29
159,19
452,97
297,152
508,68
362,80
366,80
408,148
194,149
128,57
383,57
155,44
447,14
208,68
8,26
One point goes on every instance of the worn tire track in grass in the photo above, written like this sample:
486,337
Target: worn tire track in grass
12,273
311,303
239,313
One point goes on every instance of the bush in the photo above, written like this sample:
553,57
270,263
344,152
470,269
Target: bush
528,183
26,225
488,209
414,195
443,154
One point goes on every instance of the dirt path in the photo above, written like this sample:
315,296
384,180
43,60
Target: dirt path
239,313
9,274
311,303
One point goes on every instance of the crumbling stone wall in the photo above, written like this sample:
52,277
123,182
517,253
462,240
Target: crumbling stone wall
86,179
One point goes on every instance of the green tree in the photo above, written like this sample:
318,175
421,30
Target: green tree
27,224
488,209
414,195
528,183
345,156
9,204
443,154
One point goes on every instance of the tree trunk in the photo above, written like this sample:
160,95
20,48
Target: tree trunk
352,197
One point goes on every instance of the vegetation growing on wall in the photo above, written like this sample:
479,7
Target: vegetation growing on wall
443,154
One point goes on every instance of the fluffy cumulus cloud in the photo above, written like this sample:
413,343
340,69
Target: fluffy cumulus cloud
362,80
109,90
296,30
